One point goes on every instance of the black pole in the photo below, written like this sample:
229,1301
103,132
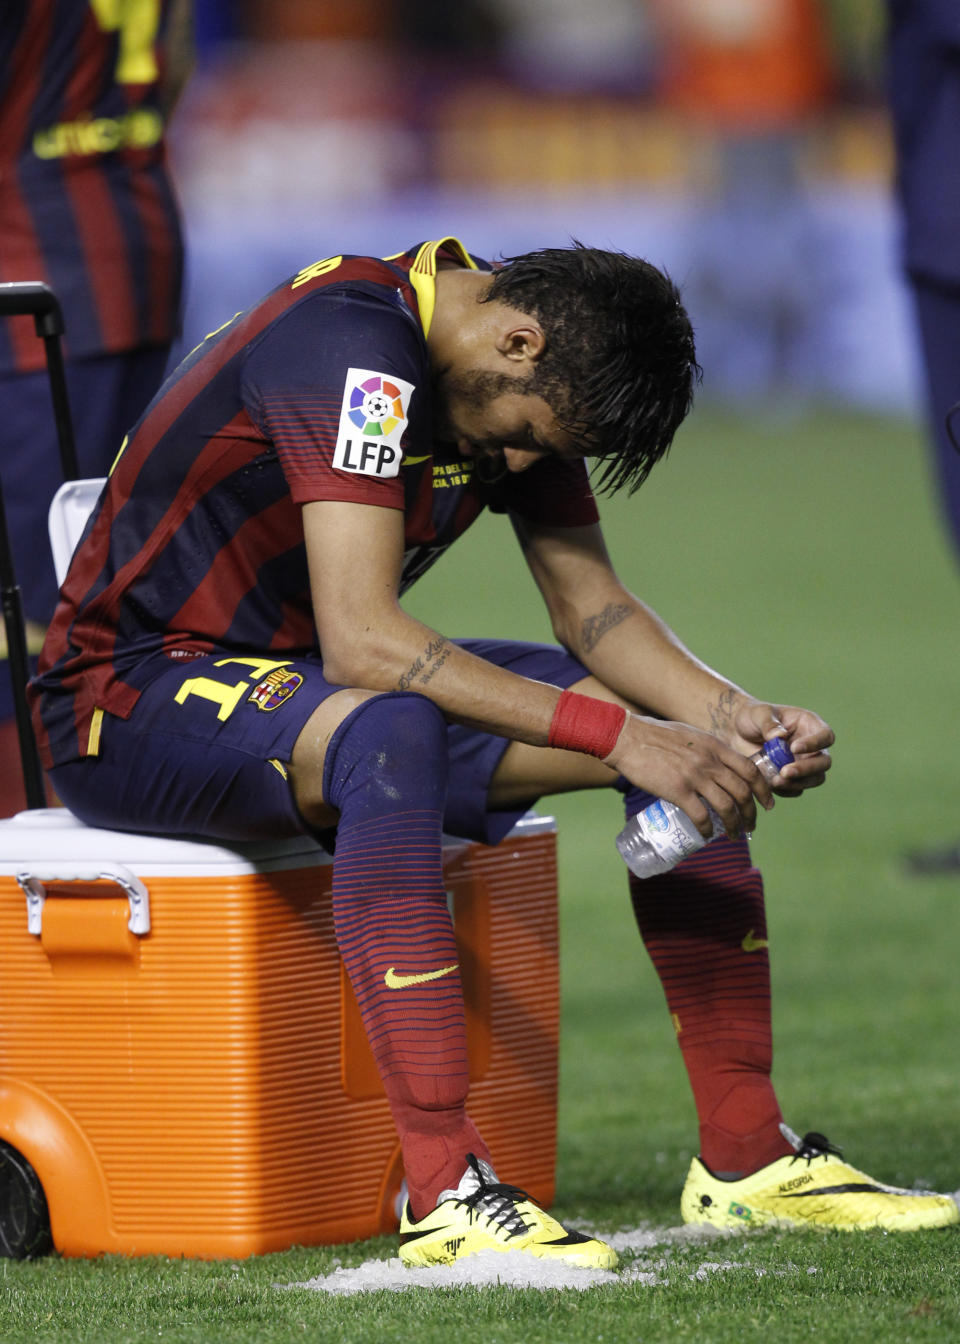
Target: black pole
19,668
61,407
35,299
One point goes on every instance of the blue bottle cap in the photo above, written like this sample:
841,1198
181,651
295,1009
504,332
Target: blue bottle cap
777,752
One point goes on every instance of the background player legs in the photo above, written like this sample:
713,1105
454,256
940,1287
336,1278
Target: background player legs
938,315
107,396
937,305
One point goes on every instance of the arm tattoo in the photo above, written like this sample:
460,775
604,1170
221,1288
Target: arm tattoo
721,714
594,628
438,662
427,663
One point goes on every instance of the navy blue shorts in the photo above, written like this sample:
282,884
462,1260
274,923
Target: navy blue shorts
204,751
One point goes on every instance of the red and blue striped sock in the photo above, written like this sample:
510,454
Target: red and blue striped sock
704,926
386,772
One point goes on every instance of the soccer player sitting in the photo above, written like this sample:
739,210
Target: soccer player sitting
303,466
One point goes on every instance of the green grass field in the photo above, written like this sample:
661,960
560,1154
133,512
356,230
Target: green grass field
804,559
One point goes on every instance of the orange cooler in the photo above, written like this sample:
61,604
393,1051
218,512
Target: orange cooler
182,1061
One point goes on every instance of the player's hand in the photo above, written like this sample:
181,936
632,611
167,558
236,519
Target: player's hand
806,734
690,768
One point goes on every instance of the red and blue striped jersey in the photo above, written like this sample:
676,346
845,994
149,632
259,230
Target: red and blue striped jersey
322,391
86,202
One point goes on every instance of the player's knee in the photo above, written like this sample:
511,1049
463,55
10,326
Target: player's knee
391,752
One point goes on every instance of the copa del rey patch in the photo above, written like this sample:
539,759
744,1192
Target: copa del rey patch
373,416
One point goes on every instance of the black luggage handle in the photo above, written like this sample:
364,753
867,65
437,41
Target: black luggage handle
32,298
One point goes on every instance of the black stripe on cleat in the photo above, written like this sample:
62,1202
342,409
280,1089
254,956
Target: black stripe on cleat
852,1189
406,1237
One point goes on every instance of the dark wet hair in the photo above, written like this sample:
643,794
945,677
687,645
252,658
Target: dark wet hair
620,365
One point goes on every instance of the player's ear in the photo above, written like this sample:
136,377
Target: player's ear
522,340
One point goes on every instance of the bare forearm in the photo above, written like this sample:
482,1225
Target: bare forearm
405,655
620,639
630,649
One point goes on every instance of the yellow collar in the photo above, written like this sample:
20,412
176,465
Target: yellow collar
423,275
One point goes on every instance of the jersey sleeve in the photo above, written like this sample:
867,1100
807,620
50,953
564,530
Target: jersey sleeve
335,354
553,493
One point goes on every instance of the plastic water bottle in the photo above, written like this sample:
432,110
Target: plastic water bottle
656,839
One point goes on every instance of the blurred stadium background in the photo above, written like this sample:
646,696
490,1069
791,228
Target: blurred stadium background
742,144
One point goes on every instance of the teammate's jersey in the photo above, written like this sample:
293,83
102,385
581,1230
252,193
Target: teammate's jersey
322,391
85,200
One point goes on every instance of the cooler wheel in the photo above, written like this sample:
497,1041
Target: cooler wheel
24,1217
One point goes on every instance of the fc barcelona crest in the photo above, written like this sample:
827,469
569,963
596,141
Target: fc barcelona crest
275,688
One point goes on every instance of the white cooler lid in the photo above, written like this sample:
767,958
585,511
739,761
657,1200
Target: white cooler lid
45,837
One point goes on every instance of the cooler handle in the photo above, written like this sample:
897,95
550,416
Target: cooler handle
36,893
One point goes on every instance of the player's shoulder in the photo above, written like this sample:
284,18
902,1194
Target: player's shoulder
385,280
365,291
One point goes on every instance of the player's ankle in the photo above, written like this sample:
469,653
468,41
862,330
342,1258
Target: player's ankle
731,1157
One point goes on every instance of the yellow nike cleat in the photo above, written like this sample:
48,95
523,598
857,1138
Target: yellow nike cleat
812,1188
484,1215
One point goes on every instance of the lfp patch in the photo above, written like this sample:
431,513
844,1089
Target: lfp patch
373,416
276,688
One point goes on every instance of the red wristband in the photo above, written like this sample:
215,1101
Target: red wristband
581,723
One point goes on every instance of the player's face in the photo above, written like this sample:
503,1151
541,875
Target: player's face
487,418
